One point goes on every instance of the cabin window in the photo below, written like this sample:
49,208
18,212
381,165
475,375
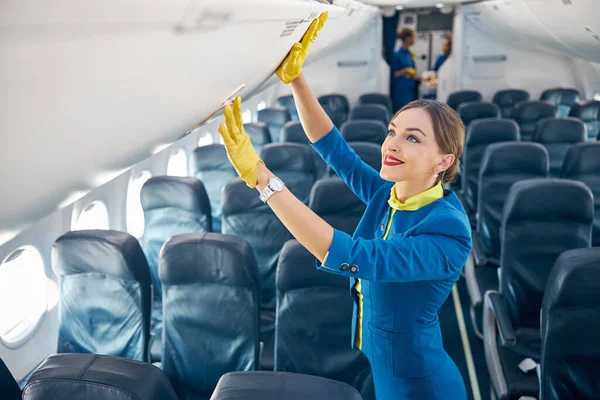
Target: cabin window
205,139
23,294
261,106
134,212
597,96
247,116
177,165
93,216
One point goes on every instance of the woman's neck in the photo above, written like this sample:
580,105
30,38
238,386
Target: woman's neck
405,46
407,189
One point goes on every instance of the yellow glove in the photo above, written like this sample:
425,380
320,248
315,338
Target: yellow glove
242,155
291,66
411,71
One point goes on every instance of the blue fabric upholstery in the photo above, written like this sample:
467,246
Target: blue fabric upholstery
325,351
345,212
464,96
211,311
528,113
570,327
563,98
369,153
275,118
480,134
477,110
508,99
589,113
557,135
259,134
336,106
582,163
374,112
293,132
364,131
376,98
212,166
289,104
105,294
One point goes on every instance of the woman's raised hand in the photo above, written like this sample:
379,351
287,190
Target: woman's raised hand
291,66
240,151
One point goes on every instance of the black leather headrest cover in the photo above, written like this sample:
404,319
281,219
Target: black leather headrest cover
560,130
510,97
582,159
258,132
491,130
558,96
477,110
531,111
211,157
180,192
293,132
363,130
92,376
587,111
464,96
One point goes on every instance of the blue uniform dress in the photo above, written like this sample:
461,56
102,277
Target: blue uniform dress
404,88
407,259
440,60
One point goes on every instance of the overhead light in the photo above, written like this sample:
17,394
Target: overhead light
439,5
399,7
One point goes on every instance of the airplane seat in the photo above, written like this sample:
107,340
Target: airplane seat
289,104
528,113
455,99
336,106
245,215
542,218
480,134
275,118
8,385
375,112
570,332
582,163
477,110
212,166
508,99
345,212
369,153
259,134
105,294
211,310
563,98
293,132
97,377
558,135
265,385
294,164
589,113
326,351
502,165
376,98
364,131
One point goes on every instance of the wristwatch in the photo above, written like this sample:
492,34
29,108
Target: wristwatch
275,185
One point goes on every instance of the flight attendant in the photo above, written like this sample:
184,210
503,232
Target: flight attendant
405,75
410,246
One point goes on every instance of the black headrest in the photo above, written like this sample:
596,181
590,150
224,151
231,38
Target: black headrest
258,132
288,157
211,157
8,385
560,130
267,385
490,130
371,111
465,96
530,111
97,377
237,197
277,116
564,96
586,111
364,131
295,270
208,258
335,102
172,191
509,97
549,199
109,252
370,153
286,101
515,158
477,110
326,189
293,132
582,159
376,98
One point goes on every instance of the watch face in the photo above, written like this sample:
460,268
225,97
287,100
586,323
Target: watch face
276,184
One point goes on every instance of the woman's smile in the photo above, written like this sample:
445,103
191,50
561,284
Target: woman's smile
392,161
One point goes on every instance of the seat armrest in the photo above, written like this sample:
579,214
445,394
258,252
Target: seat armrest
479,255
503,322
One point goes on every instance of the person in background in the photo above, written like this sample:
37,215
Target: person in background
446,50
405,75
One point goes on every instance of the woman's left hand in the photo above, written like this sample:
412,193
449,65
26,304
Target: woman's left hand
240,151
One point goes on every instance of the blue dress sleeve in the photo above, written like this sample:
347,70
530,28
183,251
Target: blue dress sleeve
439,251
361,178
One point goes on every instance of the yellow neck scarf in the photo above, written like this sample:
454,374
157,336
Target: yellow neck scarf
417,201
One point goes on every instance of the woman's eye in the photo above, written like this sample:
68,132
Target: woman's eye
413,139
391,133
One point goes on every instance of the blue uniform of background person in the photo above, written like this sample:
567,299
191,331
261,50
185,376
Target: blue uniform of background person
405,89
440,60
405,279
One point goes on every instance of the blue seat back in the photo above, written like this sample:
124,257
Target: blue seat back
289,104
172,206
589,113
528,113
563,98
105,294
477,110
508,99
480,134
374,112
336,106
275,118
502,165
259,134
325,352
369,153
582,163
464,96
211,165
211,310
558,135
376,98
293,132
370,131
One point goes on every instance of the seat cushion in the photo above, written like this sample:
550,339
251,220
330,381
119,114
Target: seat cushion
518,383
